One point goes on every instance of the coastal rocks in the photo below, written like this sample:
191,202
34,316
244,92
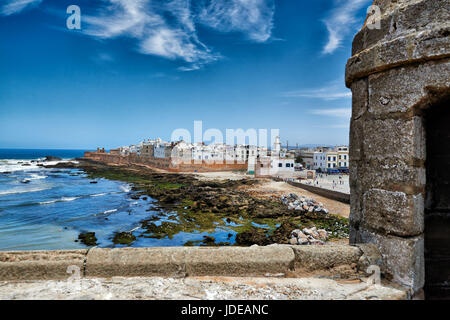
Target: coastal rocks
52,158
302,204
282,234
124,238
88,238
207,241
251,237
260,237
308,236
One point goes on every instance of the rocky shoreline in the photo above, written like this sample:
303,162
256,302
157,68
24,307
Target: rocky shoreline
202,206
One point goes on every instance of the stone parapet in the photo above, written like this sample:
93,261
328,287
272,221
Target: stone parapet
30,265
280,260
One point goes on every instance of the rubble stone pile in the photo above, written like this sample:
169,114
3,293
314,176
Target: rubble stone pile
303,204
310,236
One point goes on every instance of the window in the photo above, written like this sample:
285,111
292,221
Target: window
280,165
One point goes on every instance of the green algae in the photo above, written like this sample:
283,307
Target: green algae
124,238
204,207
207,241
88,238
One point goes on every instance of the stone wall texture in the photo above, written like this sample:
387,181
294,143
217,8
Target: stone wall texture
167,163
396,73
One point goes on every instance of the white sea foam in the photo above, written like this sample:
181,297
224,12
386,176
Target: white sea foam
63,199
37,177
68,199
98,195
21,190
48,202
110,211
125,188
26,165
133,230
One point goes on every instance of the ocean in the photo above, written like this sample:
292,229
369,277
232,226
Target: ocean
46,209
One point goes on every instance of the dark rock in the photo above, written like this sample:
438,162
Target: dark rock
93,182
88,238
282,234
52,158
125,238
251,237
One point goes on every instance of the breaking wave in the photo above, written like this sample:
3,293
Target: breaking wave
19,190
63,199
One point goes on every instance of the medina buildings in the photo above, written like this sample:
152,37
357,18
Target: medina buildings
332,160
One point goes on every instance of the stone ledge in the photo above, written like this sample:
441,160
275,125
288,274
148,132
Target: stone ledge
325,257
175,261
34,265
196,261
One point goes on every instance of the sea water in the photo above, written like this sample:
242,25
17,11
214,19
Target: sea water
54,206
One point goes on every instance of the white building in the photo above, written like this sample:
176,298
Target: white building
159,149
331,160
276,164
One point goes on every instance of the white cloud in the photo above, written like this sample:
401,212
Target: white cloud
16,6
337,112
342,21
334,91
168,28
252,17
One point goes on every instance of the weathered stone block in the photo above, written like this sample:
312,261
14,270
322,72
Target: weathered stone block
398,90
356,139
40,265
394,138
356,213
423,14
394,212
371,256
127,262
237,261
435,43
360,97
402,22
403,259
325,257
391,174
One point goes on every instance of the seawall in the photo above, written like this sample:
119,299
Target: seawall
165,163
280,260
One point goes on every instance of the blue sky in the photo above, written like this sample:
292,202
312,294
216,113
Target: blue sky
143,68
